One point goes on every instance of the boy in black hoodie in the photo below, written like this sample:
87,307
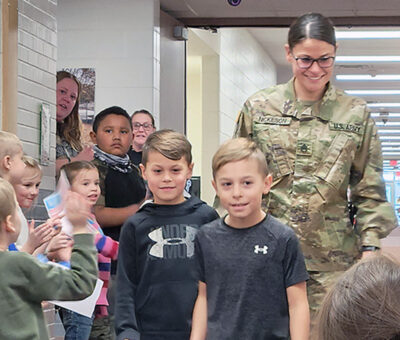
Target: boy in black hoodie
157,285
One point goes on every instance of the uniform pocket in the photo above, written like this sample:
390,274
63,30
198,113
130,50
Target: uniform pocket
336,166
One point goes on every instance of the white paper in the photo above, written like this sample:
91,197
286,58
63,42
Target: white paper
85,306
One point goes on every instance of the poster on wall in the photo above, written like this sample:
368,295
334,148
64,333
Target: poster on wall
87,79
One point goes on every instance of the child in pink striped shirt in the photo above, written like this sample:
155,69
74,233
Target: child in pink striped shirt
84,179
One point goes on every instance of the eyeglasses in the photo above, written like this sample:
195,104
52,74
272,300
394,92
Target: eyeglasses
145,126
307,62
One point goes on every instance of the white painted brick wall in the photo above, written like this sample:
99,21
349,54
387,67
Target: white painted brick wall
37,53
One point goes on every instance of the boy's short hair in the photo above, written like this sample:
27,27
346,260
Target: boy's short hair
237,149
113,110
10,144
7,199
171,144
71,169
145,112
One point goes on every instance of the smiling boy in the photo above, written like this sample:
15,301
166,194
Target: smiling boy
250,267
156,280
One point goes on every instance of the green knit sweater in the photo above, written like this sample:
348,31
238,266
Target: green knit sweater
25,283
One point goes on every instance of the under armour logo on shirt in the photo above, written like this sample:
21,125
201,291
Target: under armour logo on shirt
173,241
258,249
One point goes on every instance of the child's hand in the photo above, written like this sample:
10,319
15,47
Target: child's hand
37,236
77,211
60,248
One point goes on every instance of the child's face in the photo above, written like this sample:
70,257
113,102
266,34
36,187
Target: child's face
28,188
166,178
86,183
17,168
240,186
114,135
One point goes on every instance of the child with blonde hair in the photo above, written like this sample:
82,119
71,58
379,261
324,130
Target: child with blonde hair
13,168
25,282
83,177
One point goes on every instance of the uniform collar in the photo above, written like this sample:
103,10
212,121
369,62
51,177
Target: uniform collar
322,108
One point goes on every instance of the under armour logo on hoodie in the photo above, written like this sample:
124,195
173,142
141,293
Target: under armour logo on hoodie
173,241
258,249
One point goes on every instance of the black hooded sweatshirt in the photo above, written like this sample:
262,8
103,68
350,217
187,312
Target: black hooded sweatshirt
156,281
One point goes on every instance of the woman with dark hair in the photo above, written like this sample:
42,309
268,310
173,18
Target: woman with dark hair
69,147
363,304
320,142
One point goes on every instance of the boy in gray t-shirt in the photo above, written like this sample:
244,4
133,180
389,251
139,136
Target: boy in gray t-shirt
250,267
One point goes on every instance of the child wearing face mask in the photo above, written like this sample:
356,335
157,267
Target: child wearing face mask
83,177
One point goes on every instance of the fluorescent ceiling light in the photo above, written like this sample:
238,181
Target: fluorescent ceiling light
390,143
367,34
368,77
389,137
367,58
390,153
387,124
383,105
372,92
388,131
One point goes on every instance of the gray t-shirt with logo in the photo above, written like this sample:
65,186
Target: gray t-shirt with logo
247,272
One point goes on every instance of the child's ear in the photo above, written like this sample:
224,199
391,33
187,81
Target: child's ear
6,162
92,135
191,165
143,171
267,184
9,225
214,186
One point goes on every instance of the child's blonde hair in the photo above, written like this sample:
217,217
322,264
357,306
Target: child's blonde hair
364,303
237,149
171,144
72,169
7,199
10,144
30,162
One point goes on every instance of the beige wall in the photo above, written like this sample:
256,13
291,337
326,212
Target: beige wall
231,66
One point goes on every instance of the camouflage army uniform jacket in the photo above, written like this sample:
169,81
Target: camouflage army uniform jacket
316,151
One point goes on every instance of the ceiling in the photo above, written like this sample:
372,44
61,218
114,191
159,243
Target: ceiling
348,15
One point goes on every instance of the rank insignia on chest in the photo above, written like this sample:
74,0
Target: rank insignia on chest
304,148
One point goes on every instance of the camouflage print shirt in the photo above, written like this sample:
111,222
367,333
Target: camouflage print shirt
316,151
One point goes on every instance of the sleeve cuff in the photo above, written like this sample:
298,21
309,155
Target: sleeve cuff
370,237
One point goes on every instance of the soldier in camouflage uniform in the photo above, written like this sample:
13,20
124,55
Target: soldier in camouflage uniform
319,142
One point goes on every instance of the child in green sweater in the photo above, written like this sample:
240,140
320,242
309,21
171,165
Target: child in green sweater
25,282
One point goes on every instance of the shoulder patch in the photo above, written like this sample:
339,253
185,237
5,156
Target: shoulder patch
346,127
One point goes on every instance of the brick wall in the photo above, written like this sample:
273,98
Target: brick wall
37,55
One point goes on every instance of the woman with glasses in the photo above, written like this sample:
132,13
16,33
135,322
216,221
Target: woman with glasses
321,146
142,126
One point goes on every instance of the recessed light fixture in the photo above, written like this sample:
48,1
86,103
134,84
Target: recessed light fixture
373,92
367,34
383,104
368,77
367,58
